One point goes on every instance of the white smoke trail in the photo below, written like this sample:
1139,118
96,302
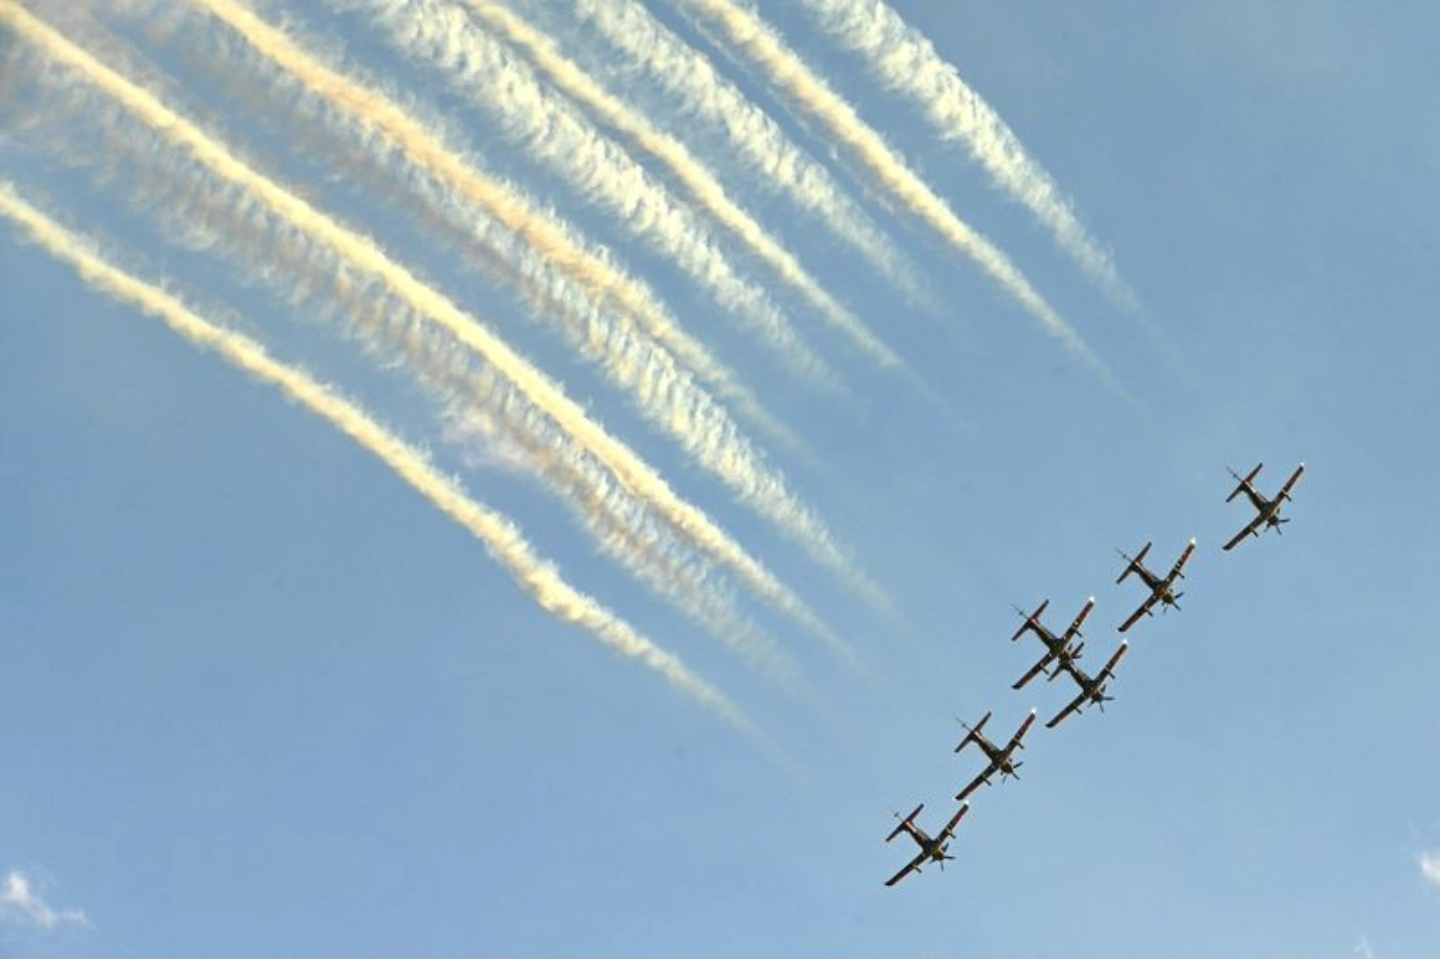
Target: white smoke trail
703,428
202,212
494,81
479,402
551,249
776,163
499,536
361,253
742,30
622,529
480,58
903,59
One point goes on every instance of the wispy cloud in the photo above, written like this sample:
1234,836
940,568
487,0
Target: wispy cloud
1430,867
1363,950
22,904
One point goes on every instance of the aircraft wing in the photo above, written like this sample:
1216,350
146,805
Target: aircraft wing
910,867
1109,669
1074,629
1035,670
1144,608
949,829
1064,714
1020,734
1175,571
1249,530
975,783
1294,478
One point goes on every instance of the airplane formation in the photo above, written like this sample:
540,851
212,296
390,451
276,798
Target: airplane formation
1060,658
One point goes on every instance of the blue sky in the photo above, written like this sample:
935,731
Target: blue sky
261,697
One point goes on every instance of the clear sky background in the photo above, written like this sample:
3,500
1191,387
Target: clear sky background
259,697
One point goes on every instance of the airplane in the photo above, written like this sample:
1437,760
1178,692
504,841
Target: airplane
933,849
1056,647
1001,758
1091,690
1161,590
1267,510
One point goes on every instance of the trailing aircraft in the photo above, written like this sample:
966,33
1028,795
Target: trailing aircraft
1267,510
930,849
1091,690
1056,647
1001,759
1162,590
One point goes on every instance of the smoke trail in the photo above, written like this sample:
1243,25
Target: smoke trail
702,428
475,50
361,252
906,62
499,536
493,81
604,281
745,31
777,164
478,402
437,33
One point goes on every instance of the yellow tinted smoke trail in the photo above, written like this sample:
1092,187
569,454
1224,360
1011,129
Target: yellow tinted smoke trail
688,171
702,428
500,537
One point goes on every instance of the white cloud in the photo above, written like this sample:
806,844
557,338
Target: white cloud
21,904
1430,867
1363,950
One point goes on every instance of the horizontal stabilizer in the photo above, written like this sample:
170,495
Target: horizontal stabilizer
1030,621
1243,482
1132,564
908,820
972,733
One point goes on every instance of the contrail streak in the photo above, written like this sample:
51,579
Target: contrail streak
603,281
903,59
500,537
688,171
777,164
623,531
362,252
702,427
492,80
743,30
197,210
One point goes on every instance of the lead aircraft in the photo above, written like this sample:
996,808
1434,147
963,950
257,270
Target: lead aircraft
1001,759
1162,590
933,849
1267,510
